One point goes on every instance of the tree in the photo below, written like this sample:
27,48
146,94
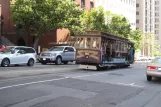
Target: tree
120,26
105,21
135,36
98,19
40,16
156,51
149,45
94,20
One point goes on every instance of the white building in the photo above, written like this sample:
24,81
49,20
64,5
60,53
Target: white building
157,22
148,18
126,8
145,15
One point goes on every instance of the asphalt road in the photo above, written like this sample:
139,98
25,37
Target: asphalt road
68,86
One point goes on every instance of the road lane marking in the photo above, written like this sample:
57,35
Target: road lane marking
31,76
32,83
49,80
35,70
91,75
67,78
132,84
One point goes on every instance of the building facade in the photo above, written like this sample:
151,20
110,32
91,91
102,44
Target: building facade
21,38
126,8
148,20
145,15
157,27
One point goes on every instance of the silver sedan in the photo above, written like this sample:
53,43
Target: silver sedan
154,68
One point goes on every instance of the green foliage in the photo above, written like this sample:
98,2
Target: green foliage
94,20
119,26
98,19
156,51
135,36
150,45
40,16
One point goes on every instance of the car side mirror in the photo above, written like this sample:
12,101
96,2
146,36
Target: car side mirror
12,51
65,50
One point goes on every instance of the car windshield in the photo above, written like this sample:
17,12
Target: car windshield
156,60
56,49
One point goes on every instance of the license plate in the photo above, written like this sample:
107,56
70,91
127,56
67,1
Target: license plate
159,68
44,58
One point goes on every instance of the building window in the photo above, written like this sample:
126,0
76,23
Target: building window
145,28
156,2
91,5
137,5
137,13
137,21
146,4
156,20
156,25
151,28
156,37
156,8
146,13
146,21
156,31
82,3
156,14
137,28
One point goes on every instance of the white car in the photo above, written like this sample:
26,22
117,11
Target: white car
143,60
16,55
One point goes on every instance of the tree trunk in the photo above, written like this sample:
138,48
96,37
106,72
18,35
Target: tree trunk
36,42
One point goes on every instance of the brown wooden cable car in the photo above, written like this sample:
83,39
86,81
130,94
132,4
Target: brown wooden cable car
96,49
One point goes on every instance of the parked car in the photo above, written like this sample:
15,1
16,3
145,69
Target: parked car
143,60
154,68
16,55
58,55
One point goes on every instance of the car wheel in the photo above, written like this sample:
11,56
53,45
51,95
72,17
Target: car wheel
98,68
30,62
5,62
43,63
149,78
65,62
58,60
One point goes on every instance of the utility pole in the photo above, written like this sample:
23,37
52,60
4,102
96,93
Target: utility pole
1,25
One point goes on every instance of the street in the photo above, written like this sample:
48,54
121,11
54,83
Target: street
67,86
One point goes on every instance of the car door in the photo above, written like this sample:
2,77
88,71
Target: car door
21,54
65,54
14,58
25,54
71,53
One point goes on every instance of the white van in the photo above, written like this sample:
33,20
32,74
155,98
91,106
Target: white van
143,60
16,55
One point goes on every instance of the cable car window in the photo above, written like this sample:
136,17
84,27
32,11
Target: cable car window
119,46
95,43
80,42
87,42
